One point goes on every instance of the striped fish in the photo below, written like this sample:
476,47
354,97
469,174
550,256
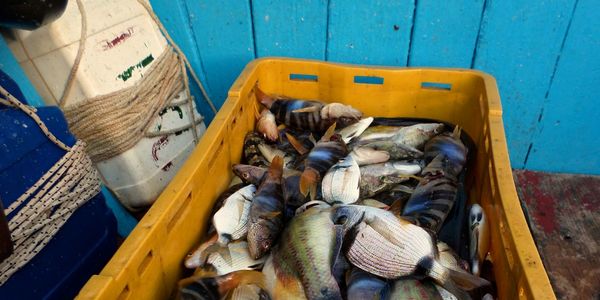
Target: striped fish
286,112
325,154
252,154
433,198
290,185
266,212
436,194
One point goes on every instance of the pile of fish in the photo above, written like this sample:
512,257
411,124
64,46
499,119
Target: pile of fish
330,205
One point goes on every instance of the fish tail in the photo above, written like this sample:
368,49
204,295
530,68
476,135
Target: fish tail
243,277
296,144
463,285
308,182
263,98
456,132
276,168
209,286
329,133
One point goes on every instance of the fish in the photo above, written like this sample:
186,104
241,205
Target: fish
295,141
479,237
198,257
450,259
417,135
377,178
238,258
411,288
308,115
249,292
327,152
215,287
414,136
233,187
290,113
338,110
310,204
267,126
377,133
395,150
373,203
352,131
231,220
251,153
249,174
433,199
454,151
341,183
391,247
266,212
398,195
368,156
290,185
362,285
270,152
304,260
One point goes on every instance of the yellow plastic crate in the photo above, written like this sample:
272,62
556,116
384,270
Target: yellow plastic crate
150,261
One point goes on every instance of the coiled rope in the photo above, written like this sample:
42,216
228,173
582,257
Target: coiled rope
113,123
66,186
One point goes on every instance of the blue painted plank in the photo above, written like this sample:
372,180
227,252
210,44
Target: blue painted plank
223,33
290,28
174,16
11,67
568,141
370,32
445,33
519,43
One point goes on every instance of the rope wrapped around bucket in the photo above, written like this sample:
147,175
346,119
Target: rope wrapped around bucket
45,207
114,123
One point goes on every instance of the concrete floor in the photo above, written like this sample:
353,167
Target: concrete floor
563,212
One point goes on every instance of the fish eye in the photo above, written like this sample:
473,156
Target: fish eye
245,175
341,220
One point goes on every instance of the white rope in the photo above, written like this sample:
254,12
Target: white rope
49,203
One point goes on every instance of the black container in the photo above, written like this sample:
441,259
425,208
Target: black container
30,14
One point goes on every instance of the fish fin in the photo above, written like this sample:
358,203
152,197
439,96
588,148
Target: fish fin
337,249
308,182
243,277
263,98
456,132
308,109
296,144
198,257
329,133
271,215
397,206
281,127
219,249
461,284
276,167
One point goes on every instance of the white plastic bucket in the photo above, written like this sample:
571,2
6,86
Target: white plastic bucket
122,43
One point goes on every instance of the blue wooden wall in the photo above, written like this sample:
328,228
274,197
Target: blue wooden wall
544,54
